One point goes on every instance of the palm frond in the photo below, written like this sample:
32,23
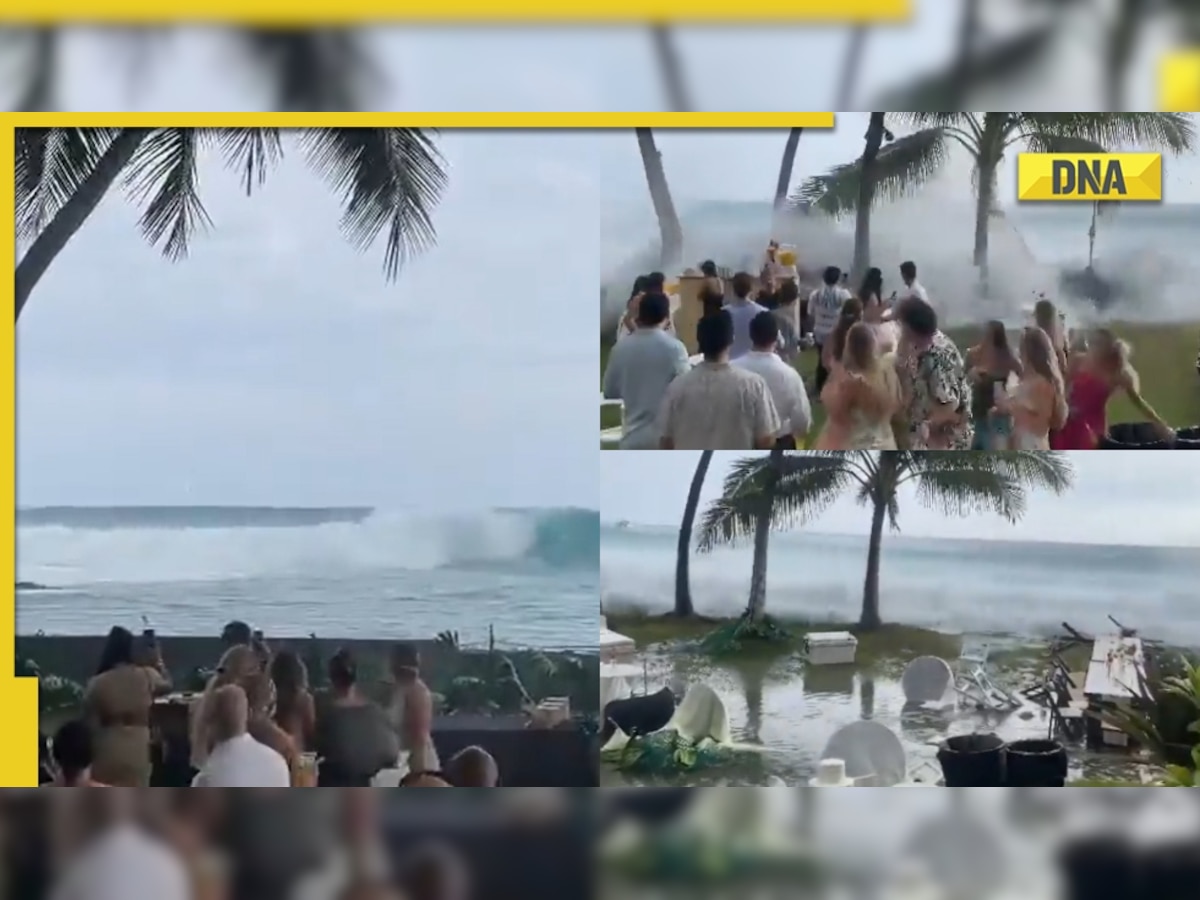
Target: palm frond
163,178
252,151
961,483
992,67
51,164
313,69
389,178
808,484
900,169
1173,132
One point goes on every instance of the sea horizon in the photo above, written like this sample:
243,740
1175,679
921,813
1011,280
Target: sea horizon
623,524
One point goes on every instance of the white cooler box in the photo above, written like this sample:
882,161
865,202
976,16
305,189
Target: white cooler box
831,648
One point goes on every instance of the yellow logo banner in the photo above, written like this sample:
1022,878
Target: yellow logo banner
1089,176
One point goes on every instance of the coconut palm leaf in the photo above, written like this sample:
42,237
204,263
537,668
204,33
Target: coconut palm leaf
1173,132
901,168
992,66
51,164
389,180
732,517
954,483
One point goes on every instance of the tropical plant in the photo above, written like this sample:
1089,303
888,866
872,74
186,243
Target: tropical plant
1164,715
389,178
683,589
802,486
669,227
911,161
304,70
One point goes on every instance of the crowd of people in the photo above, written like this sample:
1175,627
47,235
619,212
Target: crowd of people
886,376
257,723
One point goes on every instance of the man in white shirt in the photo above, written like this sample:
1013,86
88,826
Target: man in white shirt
238,760
717,406
825,307
784,382
912,287
640,368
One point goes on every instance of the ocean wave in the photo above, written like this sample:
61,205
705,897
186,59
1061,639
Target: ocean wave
73,546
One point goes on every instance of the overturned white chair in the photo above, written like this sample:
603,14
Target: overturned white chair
974,683
869,754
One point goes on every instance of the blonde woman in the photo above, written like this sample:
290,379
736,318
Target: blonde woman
1093,377
1038,403
1047,317
861,398
236,666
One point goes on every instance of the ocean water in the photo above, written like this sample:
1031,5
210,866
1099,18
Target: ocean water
1003,588
349,572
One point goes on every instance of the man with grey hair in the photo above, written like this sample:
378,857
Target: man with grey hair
237,759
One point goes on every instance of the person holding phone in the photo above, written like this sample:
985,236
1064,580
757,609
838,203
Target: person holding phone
117,704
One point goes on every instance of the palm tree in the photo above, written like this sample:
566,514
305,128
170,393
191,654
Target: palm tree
805,485
306,70
683,589
909,162
876,133
669,227
851,66
390,180
758,508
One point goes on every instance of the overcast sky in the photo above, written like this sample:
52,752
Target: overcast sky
1140,498
277,366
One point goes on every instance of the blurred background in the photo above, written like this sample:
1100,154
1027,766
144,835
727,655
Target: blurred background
1038,844
355,844
955,54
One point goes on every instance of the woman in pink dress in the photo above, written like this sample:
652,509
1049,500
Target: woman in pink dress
1094,376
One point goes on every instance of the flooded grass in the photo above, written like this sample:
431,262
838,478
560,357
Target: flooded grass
789,710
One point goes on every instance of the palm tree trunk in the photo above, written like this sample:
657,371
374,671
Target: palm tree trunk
756,608
869,619
660,195
40,88
683,552
964,60
866,195
983,217
72,214
1122,38
851,66
670,69
785,167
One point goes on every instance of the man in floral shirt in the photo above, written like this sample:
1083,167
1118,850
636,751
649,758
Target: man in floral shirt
936,388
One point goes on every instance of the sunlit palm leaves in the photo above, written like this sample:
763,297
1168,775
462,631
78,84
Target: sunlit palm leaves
388,179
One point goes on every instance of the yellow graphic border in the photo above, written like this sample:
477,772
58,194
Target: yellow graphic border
19,697
457,12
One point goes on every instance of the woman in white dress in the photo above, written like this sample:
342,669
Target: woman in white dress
411,711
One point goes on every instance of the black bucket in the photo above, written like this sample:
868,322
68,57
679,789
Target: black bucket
1188,438
1133,436
972,760
1100,866
1036,763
